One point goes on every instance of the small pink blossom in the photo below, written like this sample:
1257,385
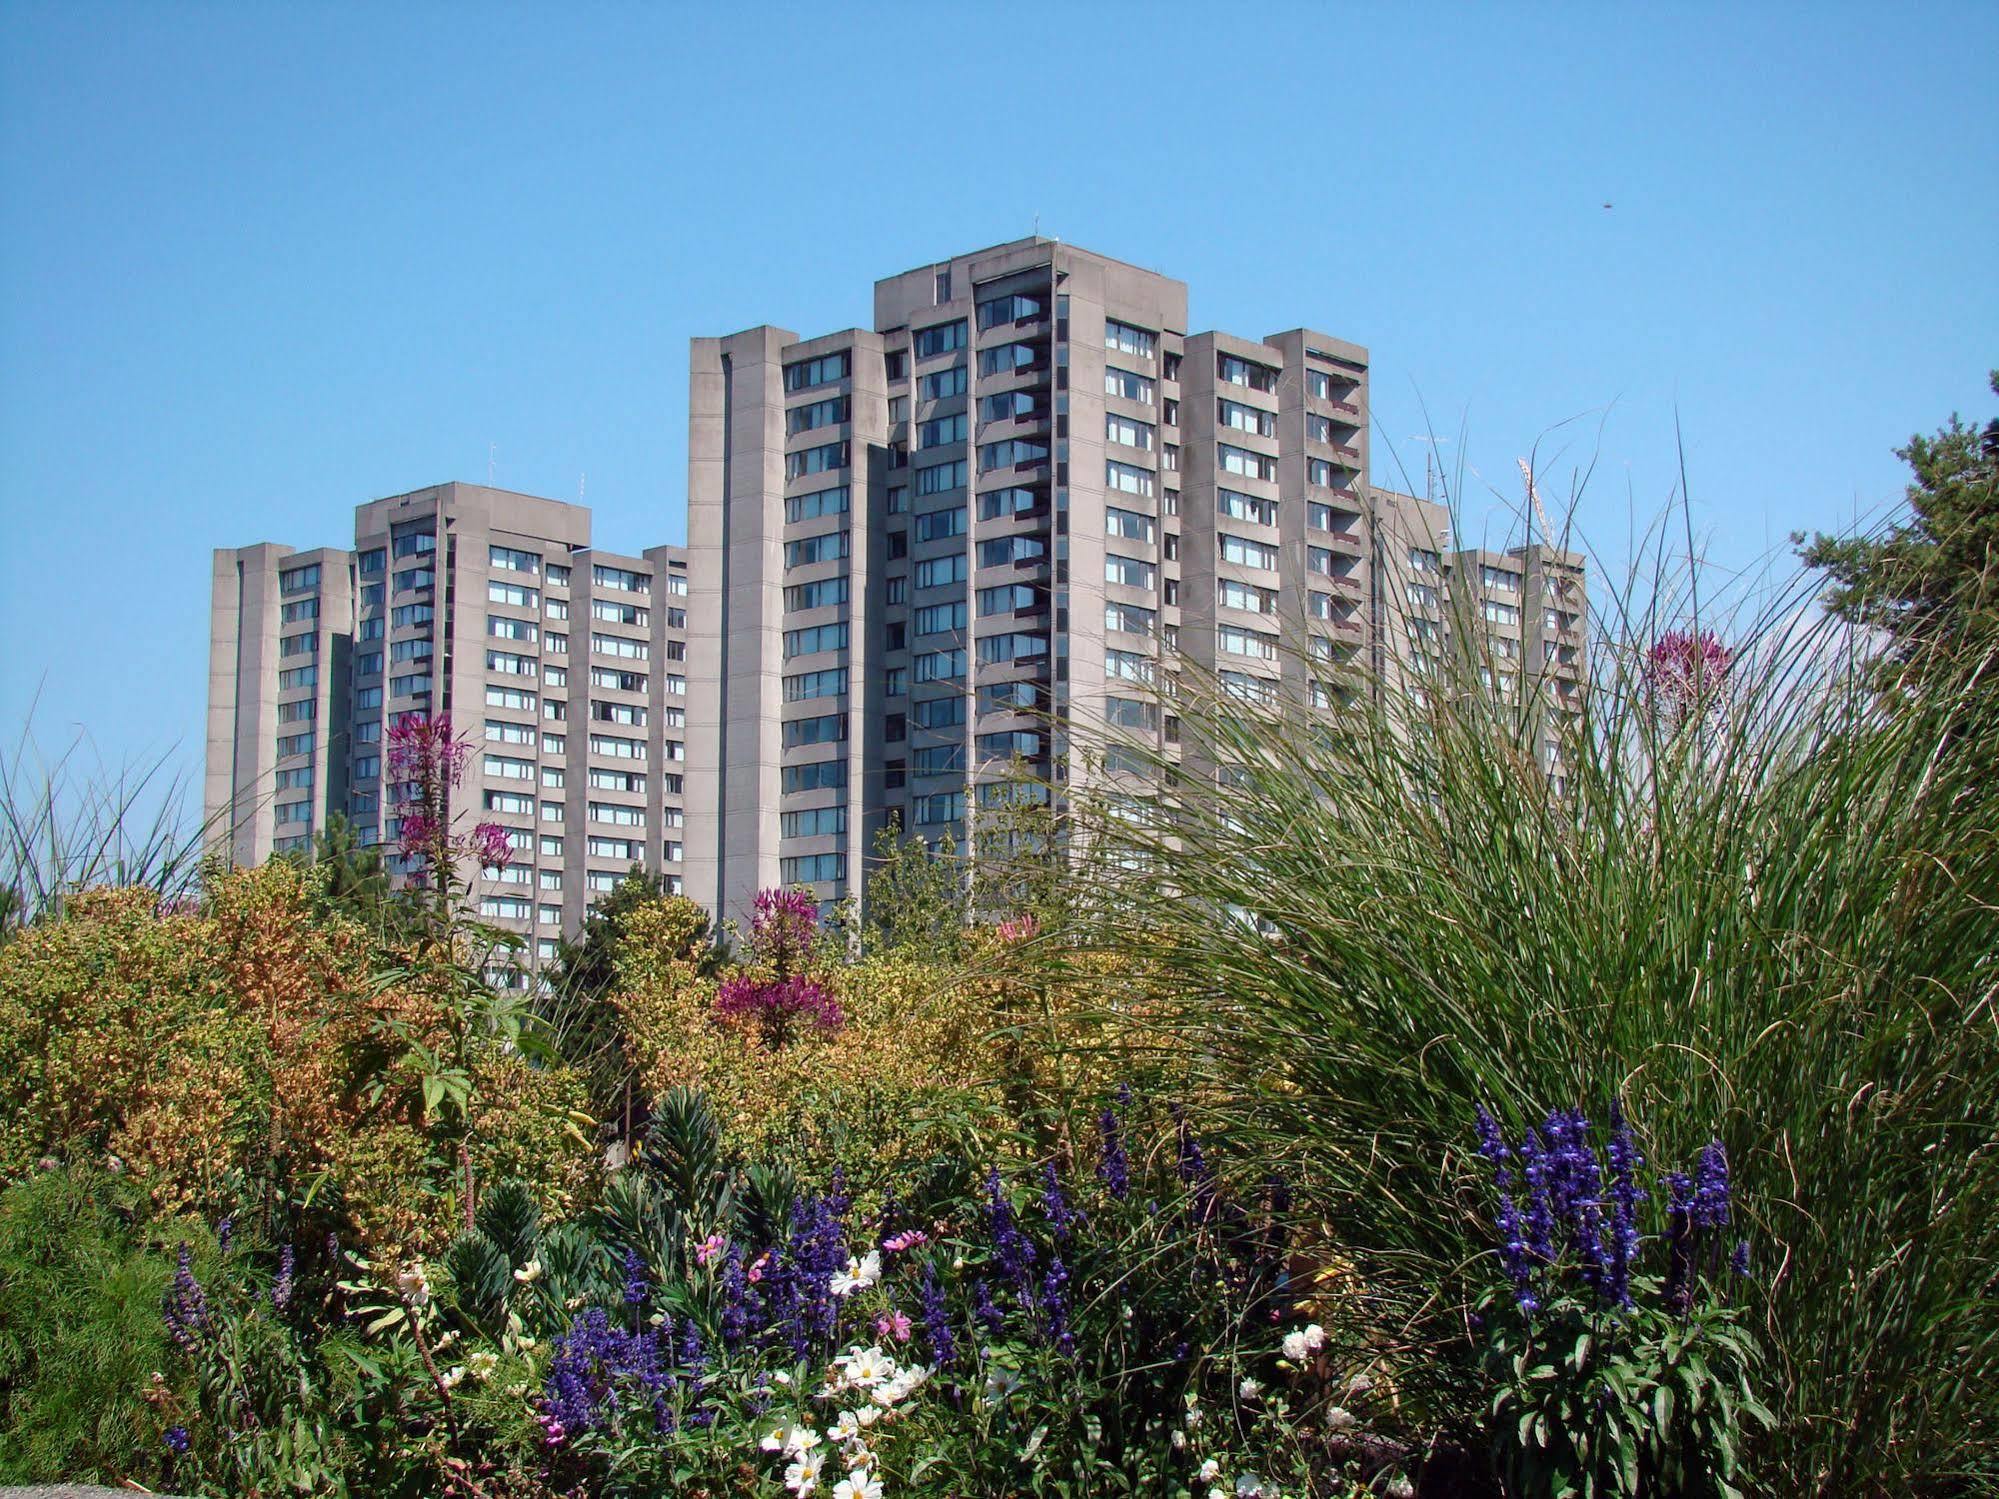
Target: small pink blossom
893,1325
493,845
756,1271
908,1239
1018,929
710,1250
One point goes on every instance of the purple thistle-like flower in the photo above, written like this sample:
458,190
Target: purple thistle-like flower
1113,1165
185,1308
936,1318
636,1287
493,846
176,1439
281,1288
1739,1261
1055,1307
225,1235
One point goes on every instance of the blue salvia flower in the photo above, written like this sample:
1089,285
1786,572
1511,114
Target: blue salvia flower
936,1318
1492,1145
1739,1261
635,1279
1054,1205
1113,1166
735,1299
1625,1195
1678,1291
176,1439
984,1309
281,1288
1513,1254
225,1235
1710,1206
1055,1306
1538,1170
185,1308
1011,1248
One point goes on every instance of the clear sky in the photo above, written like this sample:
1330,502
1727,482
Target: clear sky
260,264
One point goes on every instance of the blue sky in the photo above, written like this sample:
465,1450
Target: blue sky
259,264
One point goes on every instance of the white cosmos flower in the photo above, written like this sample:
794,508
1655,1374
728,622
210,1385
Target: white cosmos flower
528,1273
866,1367
858,1276
867,1415
859,1484
1210,1470
802,1477
788,1437
847,1428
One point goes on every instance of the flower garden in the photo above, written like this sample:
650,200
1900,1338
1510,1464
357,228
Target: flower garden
1633,1139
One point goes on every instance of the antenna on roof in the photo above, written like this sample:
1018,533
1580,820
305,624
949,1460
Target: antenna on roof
1035,233
580,477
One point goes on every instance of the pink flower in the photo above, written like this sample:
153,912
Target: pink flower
894,1325
493,845
709,1251
1686,670
756,1272
1018,929
908,1239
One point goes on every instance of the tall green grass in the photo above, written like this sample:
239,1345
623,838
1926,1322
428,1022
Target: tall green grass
1771,918
69,822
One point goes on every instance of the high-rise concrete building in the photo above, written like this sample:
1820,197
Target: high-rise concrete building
563,665
918,554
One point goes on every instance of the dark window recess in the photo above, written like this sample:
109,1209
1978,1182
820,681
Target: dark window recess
892,775
898,638
1061,426
895,727
898,545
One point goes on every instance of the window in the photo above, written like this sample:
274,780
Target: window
499,732
1128,713
809,684
1320,472
1128,384
939,760
820,502
937,619
940,525
1129,433
820,822
1246,418
940,385
1247,596
1123,338
1233,640
1128,477
630,715
1129,571
293,579
827,413
937,572
812,869
940,286
940,666
814,775
619,614
617,679
415,579
825,729
1004,550
895,681
616,815
1320,560
1008,598
300,609
1132,525
940,807
810,549
298,676
1009,697
1127,666
294,744
1011,453
618,780
815,638
509,801
941,339
1242,461
817,460
371,595
1250,689
821,371
1018,645
1233,371
1008,359
509,560
414,543
373,562
1318,428
553,776
1499,579
1015,308
1129,619
497,625
1320,606
299,779
1421,595
620,645
1319,385
1235,505
406,616
938,713
299,645
940,477
554,709
366,767
1246,553
554,744
1501,614
505,768
823,594
616,747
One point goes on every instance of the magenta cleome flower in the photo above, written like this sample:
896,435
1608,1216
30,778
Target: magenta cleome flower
493,845
1685,671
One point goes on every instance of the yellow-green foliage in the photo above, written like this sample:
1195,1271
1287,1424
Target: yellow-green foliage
891,1085
249,1038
